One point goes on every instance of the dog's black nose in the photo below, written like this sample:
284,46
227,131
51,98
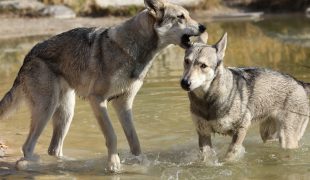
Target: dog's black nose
202,28
185,84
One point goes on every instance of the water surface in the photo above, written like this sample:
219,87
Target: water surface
162,117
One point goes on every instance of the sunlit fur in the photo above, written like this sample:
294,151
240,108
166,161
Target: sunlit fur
99,64
228,100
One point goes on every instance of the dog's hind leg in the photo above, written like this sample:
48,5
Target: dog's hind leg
303,127
61,120
99,106
289,131
294,118
42,91
269,130
40,115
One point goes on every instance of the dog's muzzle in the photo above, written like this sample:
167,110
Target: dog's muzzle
202,28
185,40
185,84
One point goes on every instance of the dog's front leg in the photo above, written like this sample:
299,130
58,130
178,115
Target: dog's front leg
204,142
99,106
123,108
207,153
235,150
204,132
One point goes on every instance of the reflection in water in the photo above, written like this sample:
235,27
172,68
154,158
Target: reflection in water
162,117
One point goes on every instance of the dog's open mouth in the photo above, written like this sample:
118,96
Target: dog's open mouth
186,40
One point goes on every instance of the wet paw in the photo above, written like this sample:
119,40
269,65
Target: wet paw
234,153
207,153
22,164
132,159
114,164
26,163
208,156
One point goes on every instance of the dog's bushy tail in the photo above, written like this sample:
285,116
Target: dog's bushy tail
11,99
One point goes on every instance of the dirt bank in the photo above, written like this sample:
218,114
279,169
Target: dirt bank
16,27
13,27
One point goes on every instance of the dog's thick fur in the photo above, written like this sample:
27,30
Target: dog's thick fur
100,65
228,100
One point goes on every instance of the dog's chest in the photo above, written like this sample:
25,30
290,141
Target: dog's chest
123,84
222,126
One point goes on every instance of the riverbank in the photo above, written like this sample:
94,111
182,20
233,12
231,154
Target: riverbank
18,27
15,27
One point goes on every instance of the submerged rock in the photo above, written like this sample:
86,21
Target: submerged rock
58,11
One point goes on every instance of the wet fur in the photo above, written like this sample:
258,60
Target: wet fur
234,98
100,65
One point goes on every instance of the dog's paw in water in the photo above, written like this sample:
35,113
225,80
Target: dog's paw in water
140,159
234,153
208,156
26,163
114,164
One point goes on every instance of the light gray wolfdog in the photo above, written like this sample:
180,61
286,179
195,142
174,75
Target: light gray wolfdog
228,100
101,65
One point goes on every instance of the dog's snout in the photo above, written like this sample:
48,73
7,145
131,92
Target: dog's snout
185,84
202,28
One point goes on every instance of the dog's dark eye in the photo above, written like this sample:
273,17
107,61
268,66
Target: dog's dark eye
181,16
186,61
203,66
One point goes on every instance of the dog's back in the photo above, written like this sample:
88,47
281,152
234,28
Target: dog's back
261,92
271,92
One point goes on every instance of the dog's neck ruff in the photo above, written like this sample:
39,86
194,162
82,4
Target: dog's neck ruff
138,40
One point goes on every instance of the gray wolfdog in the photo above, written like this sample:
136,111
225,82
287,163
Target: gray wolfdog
228,100
101,65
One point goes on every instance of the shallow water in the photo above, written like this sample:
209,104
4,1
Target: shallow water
162,116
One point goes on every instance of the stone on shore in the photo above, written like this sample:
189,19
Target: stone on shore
116,3
58,11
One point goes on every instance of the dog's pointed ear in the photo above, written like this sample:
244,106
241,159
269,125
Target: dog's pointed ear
155,7
221,46
203,38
